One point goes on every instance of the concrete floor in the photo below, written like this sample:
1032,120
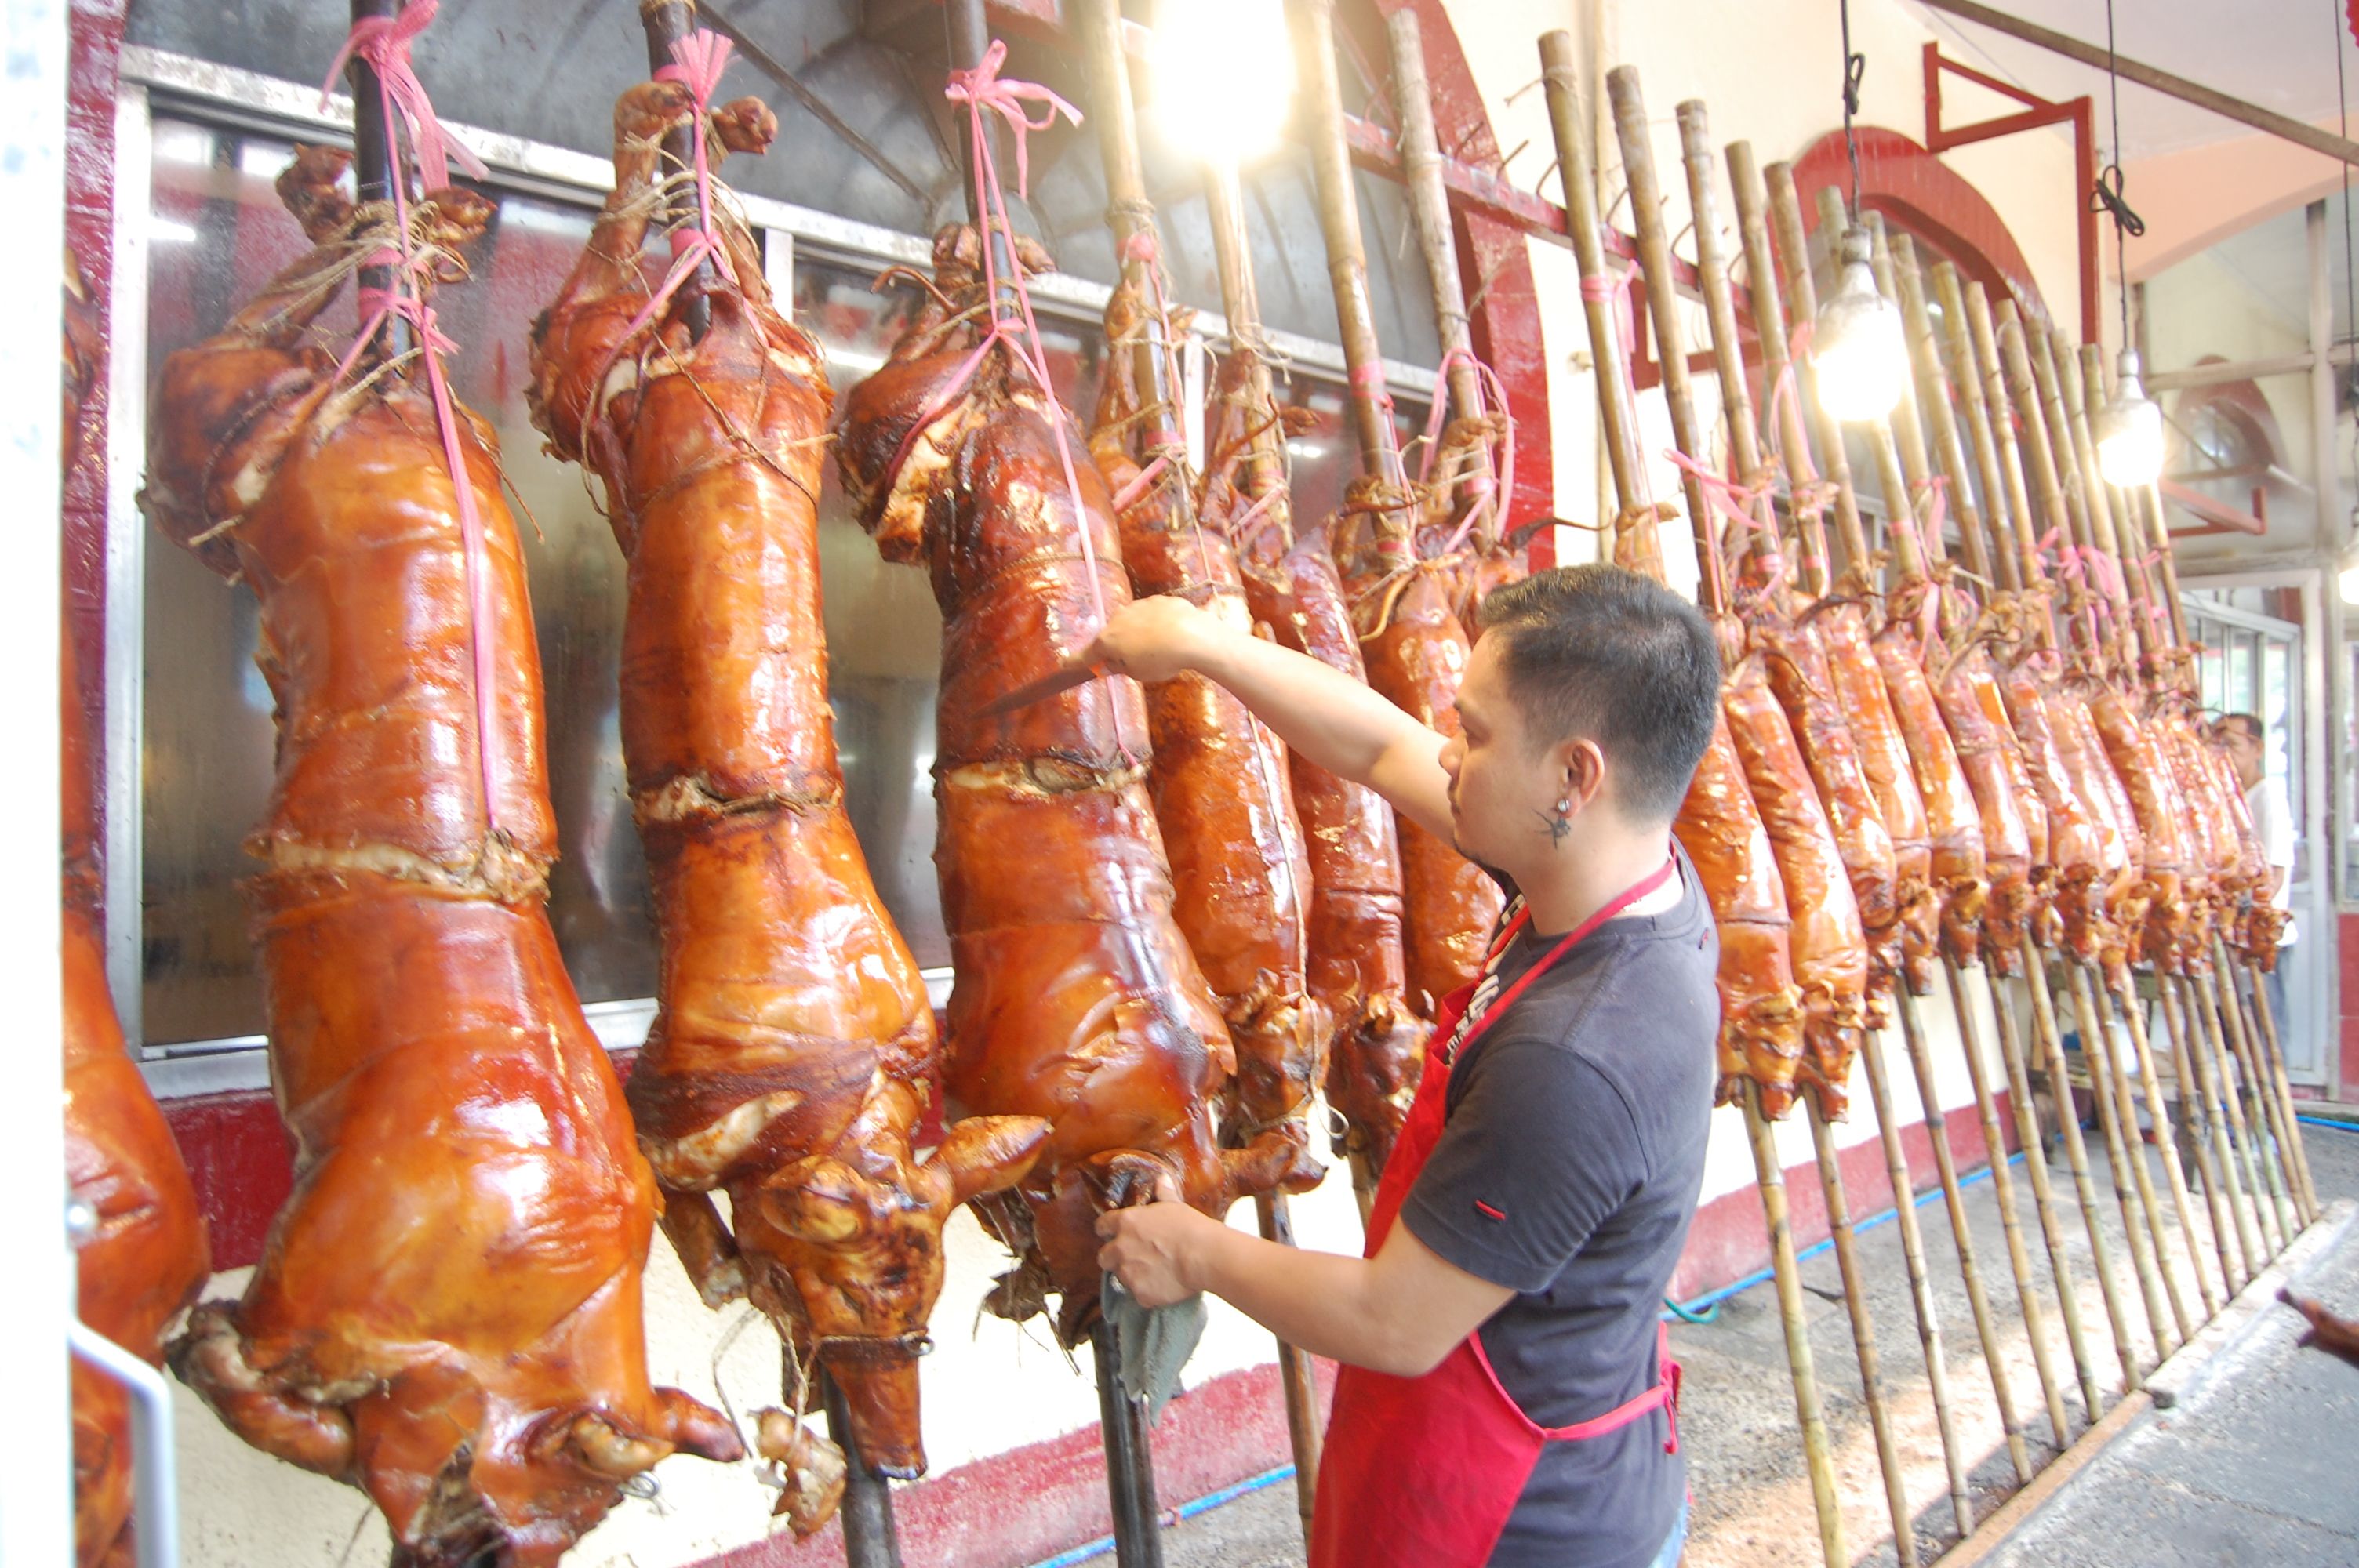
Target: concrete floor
2254,1465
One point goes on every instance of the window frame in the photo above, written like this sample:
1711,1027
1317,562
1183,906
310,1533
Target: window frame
156,81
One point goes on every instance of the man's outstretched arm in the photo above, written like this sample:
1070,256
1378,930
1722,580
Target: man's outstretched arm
1400,1311
1325,715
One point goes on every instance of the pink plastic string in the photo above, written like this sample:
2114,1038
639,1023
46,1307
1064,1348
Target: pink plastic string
1495,487
1739,504
383,42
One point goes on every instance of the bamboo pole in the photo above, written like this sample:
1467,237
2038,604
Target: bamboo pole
1695,144
1818,1453
1653,251
1576,169
1896,266
2260,1242
2214,1161
1132,217
1663,308
2076,1155
1322,115
2274,1218
2293,1216
1987,538
1784,422
1945,1164
2133,1194
2265,1019
1921,1282
1429,205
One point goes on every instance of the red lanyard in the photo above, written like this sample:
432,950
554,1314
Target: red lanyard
1620,901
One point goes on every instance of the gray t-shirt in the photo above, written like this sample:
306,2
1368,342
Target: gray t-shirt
1567,1170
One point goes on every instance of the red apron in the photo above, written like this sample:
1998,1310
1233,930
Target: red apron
1424,1471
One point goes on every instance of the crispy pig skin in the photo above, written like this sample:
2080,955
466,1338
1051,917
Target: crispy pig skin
447,1312
793,1046
1077,1000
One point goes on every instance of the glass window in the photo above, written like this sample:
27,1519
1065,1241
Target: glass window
219,233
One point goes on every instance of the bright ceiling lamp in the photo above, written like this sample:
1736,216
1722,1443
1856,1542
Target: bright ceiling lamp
1223,76
1857,350
2129,431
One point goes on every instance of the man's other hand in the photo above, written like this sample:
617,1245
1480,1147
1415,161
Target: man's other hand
1152,1250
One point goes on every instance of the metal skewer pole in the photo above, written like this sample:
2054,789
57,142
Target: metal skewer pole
1985,532
1894,264
1736,401
2071,433
1654,255
376,164
2045,428
667,22
2056,504
1122,1419
1786,218
1890,437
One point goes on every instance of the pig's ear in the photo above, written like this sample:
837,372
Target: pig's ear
986,1154
818,1199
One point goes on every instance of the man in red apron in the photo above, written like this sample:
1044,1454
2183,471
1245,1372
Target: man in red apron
1504,1398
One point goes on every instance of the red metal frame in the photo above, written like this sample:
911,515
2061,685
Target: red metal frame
2216,517
2039,112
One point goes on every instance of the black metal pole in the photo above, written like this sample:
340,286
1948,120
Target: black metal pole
967,32
372,158
871,1540
667,22
1130,1466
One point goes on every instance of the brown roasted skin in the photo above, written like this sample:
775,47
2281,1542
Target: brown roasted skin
1240,872
1952,818
1968,698
2140,763
447,1311
2258,922
148,1255
2075,832
1794,656
1077,999
2124,892
1416,651
1867,707
793,1047
1829,950
1375,1042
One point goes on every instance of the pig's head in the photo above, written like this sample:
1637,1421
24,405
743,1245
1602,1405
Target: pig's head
847,1253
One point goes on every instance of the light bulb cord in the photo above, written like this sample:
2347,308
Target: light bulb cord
1854,72
2107,195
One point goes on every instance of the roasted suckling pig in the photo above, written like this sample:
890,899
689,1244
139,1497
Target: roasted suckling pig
1375,1042
1415,652
794,1045
447,1311
148,1255
1239,870
1076,998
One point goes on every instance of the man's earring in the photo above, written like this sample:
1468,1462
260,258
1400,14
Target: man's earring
1561,824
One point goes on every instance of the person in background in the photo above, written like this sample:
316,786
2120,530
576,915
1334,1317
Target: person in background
2247,743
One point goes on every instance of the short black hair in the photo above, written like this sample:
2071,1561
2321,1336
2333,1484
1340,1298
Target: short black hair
2248,724
1604,653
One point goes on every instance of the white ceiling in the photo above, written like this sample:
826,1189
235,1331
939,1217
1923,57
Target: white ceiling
2279,54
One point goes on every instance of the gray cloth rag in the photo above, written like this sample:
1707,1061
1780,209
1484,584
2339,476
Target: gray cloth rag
1151,1344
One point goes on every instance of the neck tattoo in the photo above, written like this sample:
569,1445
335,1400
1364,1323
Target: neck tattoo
1557,825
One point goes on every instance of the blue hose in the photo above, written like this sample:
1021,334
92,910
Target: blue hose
1105,1544
2327,1121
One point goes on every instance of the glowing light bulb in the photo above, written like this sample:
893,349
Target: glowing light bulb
2129,432
1223,75
1856,348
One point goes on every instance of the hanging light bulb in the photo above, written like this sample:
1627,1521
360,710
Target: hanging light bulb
2129,432
1857,347
1223,76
